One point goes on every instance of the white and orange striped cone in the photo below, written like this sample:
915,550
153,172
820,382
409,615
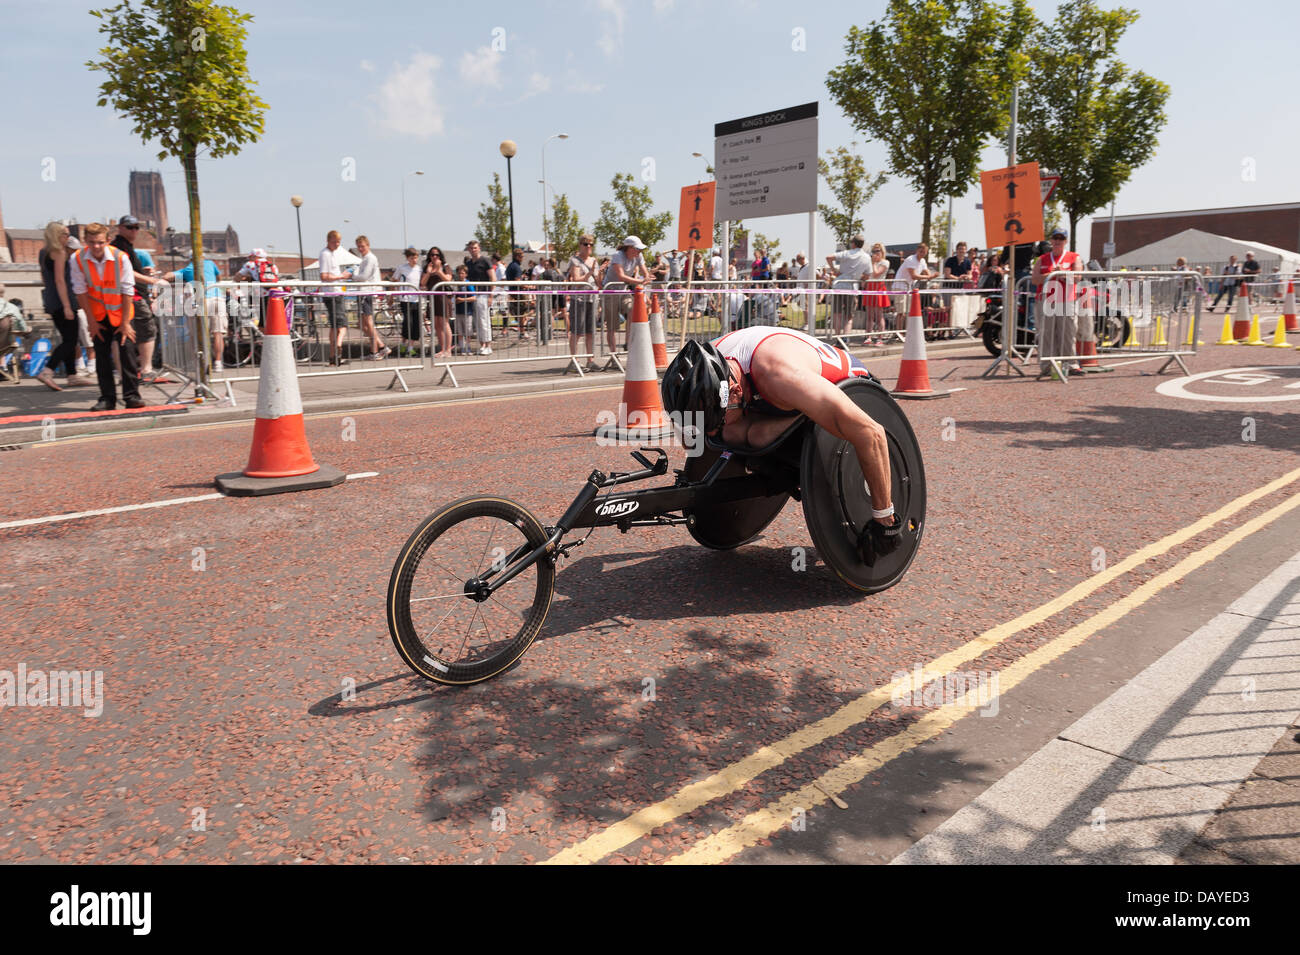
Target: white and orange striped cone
641,415
1241,321
657,338
1087,352
913,371
1288,309
280,459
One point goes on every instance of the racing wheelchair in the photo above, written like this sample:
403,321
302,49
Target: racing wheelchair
471,587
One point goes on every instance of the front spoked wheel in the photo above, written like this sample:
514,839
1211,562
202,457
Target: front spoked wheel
443,623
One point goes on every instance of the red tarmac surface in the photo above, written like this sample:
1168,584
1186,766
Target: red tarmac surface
222,685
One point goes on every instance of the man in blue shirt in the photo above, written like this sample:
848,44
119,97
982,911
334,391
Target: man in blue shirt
216,305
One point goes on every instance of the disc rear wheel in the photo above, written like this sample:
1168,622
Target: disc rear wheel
445,623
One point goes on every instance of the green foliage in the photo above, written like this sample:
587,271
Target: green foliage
846,174
932,80
773,247
938,238
177,69
1083,112
564,230
629,214
493,231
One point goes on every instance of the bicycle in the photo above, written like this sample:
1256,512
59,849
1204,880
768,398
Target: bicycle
454,622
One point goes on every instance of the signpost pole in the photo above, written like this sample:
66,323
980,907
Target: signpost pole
1009,309
1111,243
721,300
812,260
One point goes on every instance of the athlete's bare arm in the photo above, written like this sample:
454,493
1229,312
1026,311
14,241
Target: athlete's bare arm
791,378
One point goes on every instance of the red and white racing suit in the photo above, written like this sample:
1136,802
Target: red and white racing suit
836,365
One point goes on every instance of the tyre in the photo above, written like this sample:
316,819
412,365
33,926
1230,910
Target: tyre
441,629
727,526
992,337
836,503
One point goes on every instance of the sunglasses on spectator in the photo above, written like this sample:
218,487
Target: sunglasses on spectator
131,228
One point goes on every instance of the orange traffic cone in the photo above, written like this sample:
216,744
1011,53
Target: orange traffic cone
280,459
913,371
1288,309
657,338
1087,352
1241,321
641,414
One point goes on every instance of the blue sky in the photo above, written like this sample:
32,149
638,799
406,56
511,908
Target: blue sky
388,89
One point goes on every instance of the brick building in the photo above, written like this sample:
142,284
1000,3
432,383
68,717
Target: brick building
148,200
1276,225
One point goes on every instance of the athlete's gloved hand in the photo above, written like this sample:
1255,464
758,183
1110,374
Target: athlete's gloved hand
877,540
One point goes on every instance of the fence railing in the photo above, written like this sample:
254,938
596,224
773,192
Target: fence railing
1151,314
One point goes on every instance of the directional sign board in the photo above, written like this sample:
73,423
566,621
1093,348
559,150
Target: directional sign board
1013,205
766,164
695,218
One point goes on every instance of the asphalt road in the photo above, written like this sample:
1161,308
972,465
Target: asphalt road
675,693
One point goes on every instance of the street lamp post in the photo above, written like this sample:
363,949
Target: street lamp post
171,248
416,172
545,238
302,262
508,149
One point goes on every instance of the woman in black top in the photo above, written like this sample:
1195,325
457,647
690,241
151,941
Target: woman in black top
56,298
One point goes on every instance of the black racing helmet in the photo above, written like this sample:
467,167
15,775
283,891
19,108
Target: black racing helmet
696,382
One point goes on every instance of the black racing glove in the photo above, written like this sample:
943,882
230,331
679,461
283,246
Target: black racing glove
877,540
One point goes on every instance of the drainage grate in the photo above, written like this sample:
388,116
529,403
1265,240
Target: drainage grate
10,447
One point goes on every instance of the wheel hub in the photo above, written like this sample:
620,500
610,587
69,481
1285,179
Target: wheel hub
478,589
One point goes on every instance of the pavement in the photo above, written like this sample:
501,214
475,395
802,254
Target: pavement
1119,552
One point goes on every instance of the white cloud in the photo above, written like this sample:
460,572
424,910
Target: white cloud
368,66
481,67
538,83
664,6
408,102
611,28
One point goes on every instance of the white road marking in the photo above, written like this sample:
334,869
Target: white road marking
31,521
1178,387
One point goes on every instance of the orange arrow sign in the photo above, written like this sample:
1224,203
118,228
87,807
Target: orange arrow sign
695,219
1013,205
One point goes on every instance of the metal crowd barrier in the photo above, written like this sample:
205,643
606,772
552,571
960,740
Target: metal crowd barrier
1148,314
520,321
310,330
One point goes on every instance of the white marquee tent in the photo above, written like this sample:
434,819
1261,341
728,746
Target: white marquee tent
1206,248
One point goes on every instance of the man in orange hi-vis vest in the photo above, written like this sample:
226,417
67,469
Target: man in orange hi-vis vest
104,283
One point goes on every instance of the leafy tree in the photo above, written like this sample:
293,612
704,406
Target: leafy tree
938,239
493,231
1083,112
846,174
932,80
629,214
177,69
773,247
565,230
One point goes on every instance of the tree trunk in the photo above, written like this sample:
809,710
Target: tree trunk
1074,220
927,200
190,161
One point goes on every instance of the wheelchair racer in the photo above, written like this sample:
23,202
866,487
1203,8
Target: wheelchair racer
748,383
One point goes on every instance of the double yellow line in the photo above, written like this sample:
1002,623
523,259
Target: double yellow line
758,825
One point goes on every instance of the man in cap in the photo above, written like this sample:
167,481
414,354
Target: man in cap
627,269
1055,302
144,323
